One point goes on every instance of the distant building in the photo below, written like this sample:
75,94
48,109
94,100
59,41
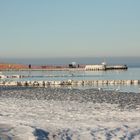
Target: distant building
95,67
72,65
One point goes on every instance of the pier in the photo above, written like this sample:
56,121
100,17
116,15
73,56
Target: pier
104,66
80,67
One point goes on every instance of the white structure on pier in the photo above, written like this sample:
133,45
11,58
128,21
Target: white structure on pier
96,67
104,66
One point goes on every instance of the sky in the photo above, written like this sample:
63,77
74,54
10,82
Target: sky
69,28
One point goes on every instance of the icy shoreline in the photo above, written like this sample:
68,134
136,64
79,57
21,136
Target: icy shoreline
68,114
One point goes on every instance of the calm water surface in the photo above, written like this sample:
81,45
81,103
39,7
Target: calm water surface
130,74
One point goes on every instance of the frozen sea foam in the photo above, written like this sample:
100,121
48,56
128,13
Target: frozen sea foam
68,114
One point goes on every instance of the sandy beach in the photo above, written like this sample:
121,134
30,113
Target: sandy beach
68,114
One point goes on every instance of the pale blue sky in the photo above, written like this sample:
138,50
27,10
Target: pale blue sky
69,28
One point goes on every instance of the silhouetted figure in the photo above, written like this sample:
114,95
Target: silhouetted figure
30,66
78,66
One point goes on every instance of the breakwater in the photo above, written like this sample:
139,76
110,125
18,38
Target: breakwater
69,82
105,67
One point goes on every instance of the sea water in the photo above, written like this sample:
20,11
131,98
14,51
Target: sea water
131,73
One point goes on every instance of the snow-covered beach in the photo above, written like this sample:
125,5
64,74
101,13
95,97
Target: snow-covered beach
68,114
